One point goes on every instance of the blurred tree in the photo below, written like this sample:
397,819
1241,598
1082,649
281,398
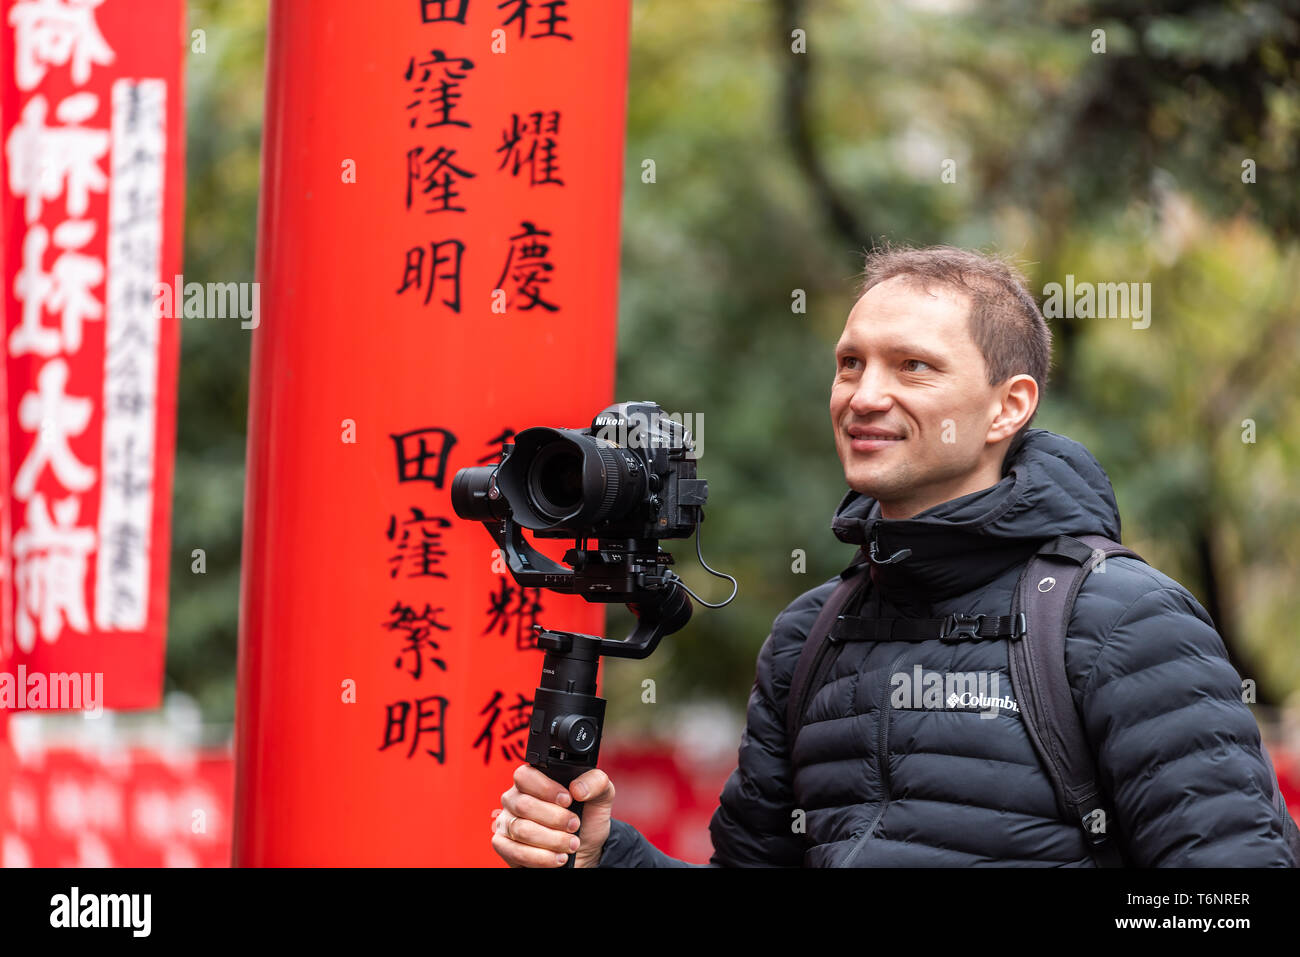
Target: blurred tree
1122,165
223,135
774,169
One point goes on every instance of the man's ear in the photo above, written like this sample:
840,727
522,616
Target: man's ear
1019,399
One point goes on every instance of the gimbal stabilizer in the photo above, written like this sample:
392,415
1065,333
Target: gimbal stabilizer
564,483
568,716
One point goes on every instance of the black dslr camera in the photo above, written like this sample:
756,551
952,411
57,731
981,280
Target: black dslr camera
626,482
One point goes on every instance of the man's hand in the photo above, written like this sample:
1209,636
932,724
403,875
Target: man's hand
535,828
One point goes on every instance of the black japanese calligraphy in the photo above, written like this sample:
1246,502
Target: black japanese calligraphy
415,458
433,707
517,606
526,145
425,171
414,276
443,11
416,628
513,727
501,440
424,552
549,22
528,255
441,97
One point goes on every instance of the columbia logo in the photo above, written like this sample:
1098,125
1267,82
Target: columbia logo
983,701
950,690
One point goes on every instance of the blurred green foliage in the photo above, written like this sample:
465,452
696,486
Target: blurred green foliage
224,88
774,170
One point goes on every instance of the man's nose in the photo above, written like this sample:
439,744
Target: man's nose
872,394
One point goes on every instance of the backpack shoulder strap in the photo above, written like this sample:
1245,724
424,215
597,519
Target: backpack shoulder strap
1046,593
817,646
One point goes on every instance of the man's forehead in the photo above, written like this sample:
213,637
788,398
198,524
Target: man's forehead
908,316
909,306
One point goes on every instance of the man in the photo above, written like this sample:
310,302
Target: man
938,376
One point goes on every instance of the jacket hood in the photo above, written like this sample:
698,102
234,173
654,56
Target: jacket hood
1051,485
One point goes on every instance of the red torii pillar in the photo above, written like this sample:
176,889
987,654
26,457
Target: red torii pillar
438,257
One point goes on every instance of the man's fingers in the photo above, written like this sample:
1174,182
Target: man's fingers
525,844
533,782
523,831
536,826
521,855
594,785
543,812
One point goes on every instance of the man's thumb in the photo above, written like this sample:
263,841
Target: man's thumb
592,787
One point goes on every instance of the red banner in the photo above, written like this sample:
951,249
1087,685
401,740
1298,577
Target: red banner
82,807
438,253
91,109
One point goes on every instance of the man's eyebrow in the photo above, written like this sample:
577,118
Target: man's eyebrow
896,348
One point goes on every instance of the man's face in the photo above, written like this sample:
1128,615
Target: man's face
911,404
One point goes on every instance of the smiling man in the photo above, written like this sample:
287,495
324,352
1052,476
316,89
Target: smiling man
920,415
939,372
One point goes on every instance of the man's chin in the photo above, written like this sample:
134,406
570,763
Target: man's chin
872,486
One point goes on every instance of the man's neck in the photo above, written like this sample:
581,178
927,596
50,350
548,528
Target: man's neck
985,477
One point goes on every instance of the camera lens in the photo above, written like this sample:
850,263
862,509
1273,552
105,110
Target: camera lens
470,495
561,478
555,480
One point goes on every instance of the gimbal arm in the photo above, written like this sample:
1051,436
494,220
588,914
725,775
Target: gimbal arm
660,604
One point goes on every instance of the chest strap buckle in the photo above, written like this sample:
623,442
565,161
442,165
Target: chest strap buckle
959,627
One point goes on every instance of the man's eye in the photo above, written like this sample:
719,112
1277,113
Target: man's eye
844,363
918,361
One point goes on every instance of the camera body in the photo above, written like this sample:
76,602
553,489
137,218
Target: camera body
630,476
628,481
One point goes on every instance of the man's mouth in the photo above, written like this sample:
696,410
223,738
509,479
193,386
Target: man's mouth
871,440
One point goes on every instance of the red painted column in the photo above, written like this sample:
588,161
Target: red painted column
438,256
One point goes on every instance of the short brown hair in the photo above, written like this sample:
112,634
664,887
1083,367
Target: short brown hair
1004,320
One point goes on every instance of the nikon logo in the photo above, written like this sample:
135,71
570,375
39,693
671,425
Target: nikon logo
656,430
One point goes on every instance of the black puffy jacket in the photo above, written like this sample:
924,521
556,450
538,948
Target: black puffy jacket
876,780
